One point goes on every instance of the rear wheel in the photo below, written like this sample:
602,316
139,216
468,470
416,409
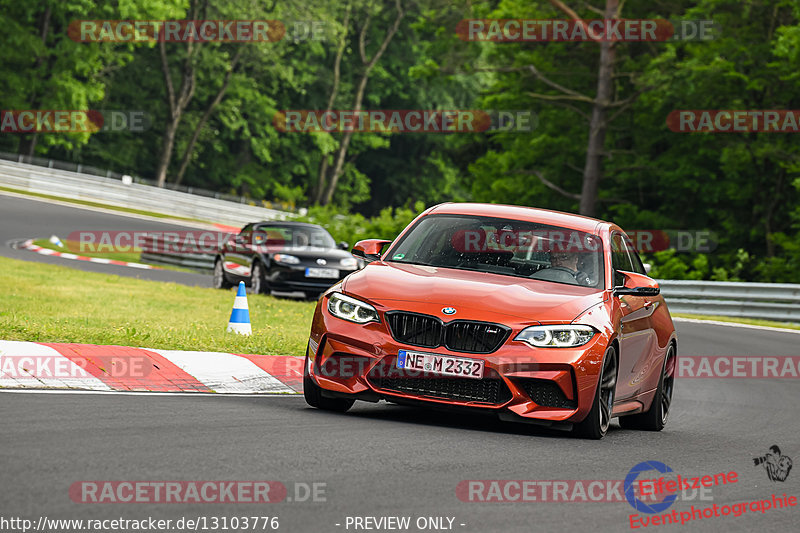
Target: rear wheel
596,423
313,395
219,276
258,284
655,418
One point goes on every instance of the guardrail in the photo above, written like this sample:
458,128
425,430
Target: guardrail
110,191
155,249
769,301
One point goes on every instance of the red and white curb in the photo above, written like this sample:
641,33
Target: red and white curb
43,365
28,245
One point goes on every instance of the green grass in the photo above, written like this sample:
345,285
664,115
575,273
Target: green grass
104,206
74,247
48,303
749,321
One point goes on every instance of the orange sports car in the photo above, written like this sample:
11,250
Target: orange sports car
538,316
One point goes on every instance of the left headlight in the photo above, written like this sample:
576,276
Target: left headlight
348,308
287,259
556,336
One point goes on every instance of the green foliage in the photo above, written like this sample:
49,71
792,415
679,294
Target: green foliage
743,186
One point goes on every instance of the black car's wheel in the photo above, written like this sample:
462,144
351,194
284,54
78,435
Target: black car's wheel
596,423
258,283
655,418
314,398
220,282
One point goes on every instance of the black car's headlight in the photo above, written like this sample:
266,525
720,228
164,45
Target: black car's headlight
348,308
349,263
556,336
286,259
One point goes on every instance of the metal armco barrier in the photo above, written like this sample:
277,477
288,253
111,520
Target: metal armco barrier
770,301
67,184
154,251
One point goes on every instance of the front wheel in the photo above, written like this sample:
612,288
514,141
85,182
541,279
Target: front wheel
313,395
258,284
596,423
219,276
655,418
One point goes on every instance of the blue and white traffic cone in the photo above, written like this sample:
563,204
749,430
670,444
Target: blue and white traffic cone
240,316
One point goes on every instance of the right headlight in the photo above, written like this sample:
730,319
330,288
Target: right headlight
556,336
348,308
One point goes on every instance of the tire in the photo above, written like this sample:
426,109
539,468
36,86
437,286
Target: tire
258,283
219,281
655,418
596,423
313,395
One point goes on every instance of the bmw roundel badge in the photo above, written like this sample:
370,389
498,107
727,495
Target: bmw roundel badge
449,310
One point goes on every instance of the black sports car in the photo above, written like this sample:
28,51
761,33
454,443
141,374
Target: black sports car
284,257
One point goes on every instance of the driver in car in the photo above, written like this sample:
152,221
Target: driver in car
564,269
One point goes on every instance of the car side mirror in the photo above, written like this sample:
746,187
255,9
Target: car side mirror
369,249
636,284
343,245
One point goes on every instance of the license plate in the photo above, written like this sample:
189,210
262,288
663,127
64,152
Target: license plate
445,365
312,272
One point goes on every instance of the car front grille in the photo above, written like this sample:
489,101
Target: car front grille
547,393
419,330
490,391
459,335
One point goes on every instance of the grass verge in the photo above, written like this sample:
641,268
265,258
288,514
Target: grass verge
748,321
48,303
135,256
74,247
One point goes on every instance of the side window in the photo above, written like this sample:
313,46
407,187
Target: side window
636,261
620,260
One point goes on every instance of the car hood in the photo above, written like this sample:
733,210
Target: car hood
481,293
306,251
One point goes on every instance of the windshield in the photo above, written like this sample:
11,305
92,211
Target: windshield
294,237
502,246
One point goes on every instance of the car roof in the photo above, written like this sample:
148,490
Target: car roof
516,212
285,224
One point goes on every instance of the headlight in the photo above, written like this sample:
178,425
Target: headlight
348,308
348,262
286,258
557,336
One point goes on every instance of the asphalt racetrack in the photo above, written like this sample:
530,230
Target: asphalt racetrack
382,460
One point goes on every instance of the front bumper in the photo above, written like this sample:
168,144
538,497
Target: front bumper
541,385
293,278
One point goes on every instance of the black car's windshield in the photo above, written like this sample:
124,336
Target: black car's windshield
502,246
293,236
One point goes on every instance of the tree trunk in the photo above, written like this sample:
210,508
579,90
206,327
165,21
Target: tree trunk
369,65
595,148
187,154
319,190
